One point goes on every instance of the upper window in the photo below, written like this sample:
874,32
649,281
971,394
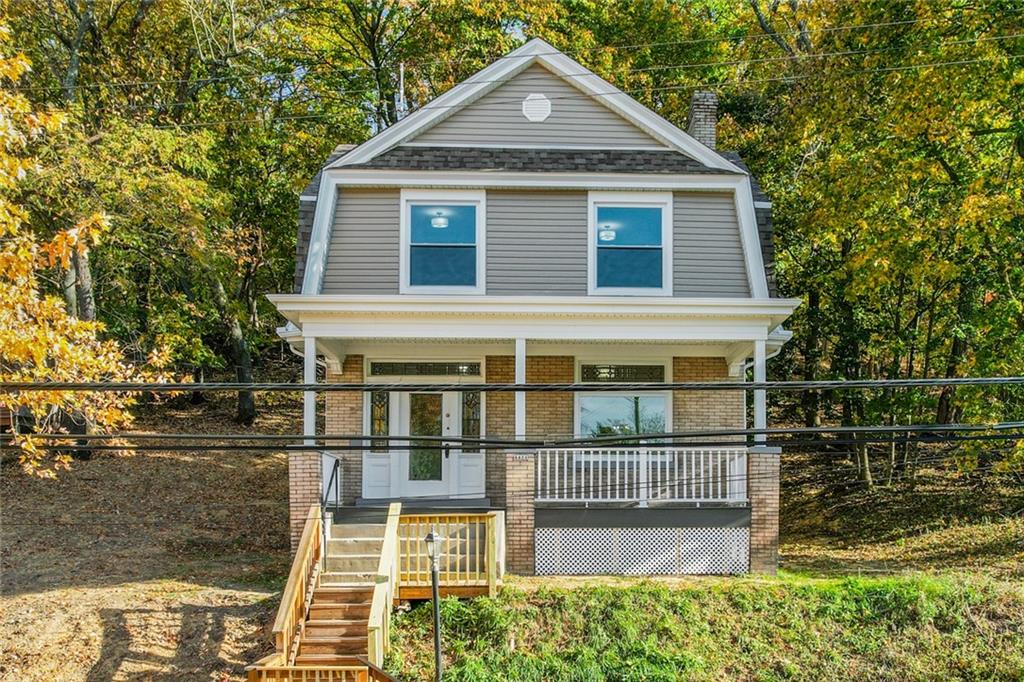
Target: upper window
630,243
442,244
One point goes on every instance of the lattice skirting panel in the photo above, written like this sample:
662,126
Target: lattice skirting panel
642,551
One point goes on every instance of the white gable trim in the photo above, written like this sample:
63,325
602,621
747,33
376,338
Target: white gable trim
491,77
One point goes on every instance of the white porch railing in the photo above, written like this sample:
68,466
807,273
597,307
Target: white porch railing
642,475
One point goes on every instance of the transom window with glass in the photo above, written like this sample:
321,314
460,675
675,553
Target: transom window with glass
442,241
631,413
630,243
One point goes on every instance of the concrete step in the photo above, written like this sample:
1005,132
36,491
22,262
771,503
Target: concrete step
332,611
344,546
326,594
357,530
353,563
355,627
333,645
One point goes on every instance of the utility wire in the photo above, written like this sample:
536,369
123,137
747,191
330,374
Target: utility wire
717,84
637,46
336,96
575,387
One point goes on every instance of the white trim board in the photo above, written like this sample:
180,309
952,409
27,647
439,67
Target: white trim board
476,198
492,76
660,200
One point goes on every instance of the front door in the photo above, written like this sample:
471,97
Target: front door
426,466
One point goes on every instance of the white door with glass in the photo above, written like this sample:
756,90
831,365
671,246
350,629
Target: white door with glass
418,464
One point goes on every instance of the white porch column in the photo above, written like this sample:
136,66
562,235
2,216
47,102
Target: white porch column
760,399
520,395
309,397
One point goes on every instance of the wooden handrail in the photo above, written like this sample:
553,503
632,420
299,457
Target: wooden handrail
291,614
378,631
468,555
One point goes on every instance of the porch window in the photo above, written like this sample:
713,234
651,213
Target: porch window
471,418
630,237
622,414
380,418
442,242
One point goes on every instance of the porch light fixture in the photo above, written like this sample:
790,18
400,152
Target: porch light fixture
431,541
439,221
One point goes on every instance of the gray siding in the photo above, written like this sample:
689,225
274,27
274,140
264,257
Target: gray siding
537,243
363,258
306,211
707,251
497,120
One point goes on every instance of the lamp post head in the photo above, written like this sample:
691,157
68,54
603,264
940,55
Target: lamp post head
431,541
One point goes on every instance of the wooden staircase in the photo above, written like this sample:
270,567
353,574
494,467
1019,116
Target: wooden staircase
332,625
338,623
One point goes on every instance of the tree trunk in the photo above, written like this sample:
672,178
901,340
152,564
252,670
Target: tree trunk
810,398
946,412
83,286
69,289
239,350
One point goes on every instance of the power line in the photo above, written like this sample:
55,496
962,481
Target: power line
493,387
637,91
513,441
335,96
360,69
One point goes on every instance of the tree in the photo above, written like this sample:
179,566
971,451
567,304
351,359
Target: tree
39,340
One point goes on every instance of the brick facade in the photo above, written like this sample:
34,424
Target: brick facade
703,410
344,414
303,490
500,415
550,414
520,550
763,490
703,118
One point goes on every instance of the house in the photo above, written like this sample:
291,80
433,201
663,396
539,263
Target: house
534,224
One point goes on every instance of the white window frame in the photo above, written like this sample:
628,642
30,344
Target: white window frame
662,200
462,197
667,394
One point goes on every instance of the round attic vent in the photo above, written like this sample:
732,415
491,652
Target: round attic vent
536,107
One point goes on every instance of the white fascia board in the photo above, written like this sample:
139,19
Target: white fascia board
546,316
320,236
505,67
491,327
750,239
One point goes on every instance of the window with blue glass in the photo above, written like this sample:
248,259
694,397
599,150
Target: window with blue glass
629,247
442,245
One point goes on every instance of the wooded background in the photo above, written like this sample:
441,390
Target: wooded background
889,135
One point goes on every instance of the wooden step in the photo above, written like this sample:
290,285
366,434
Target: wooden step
374,531
351,645
337,628
347,546
328,660
353,563
342,594
348,578
339,611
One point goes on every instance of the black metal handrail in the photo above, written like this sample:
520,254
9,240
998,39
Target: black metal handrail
335,482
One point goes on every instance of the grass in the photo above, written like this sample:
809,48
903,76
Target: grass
789,628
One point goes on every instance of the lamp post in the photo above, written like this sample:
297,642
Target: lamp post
431,541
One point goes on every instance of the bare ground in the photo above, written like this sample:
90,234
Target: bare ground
168,565
147,566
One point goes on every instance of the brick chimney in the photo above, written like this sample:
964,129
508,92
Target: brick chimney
703,117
